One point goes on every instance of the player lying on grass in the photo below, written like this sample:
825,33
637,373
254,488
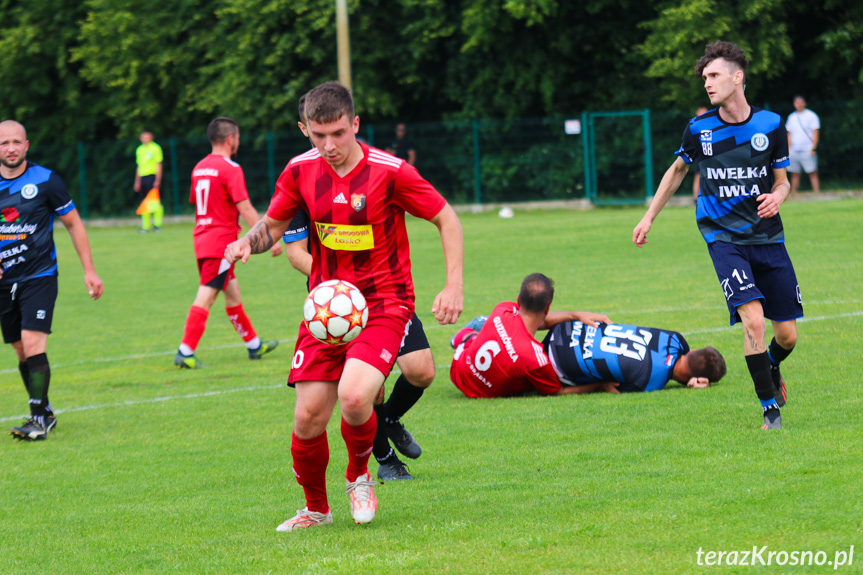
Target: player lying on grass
629,357
501,358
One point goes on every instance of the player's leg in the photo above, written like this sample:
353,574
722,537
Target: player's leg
310,452
146,185
781,346
758,361
816,183
390,467
359,385
794,168
241,322
213,277
158,215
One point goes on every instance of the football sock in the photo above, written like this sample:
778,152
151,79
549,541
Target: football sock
759,369
241,323
158,214
359,440
25,374
311,457
402,398
146,223
193,331
777,353
381,448
40,380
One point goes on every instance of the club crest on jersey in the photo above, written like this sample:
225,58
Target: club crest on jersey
358,201
760,142
706,135
29,191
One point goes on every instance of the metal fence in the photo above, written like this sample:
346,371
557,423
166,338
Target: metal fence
469,162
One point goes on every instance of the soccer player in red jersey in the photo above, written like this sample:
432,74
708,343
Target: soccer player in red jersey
220,198
356,198
502,358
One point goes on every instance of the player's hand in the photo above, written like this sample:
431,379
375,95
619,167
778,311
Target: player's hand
768,205
137,186
639,234
611,387
94,285
592,319
448,305
277,249
698,383
238,250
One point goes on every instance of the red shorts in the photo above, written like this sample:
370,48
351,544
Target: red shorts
212,273
377,345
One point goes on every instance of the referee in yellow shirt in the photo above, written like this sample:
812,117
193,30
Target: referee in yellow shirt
148,176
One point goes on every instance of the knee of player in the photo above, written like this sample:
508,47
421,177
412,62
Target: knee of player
421,376
787,339
353,404
755,325
308,421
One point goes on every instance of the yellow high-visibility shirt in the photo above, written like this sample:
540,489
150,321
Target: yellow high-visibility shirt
148,156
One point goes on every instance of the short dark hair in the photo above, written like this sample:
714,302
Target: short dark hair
536,293
328,102
725,50
707,362
220,128
301,108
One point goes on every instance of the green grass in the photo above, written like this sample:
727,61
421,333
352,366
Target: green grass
156,470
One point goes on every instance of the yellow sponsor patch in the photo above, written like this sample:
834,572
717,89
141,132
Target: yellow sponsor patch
345,237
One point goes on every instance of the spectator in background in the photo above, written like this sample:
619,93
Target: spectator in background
804,131
696,183
148,178
402,147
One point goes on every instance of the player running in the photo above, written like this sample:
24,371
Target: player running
220,197
631,357
31,197
742,152
498,356
356,198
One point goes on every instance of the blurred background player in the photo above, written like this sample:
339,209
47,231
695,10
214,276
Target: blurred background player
742,152
414,359
356,198
31,197
403,147
220,197
804,133
633,357
148,177
498,356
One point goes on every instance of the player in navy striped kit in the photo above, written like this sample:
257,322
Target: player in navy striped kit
742,153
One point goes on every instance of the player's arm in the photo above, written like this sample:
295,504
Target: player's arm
670,182
158,182
299,256
76,230
816,136
412,157
609,386
259,239
251,217
588,318
449,303
768,204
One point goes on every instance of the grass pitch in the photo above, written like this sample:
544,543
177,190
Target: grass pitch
157,470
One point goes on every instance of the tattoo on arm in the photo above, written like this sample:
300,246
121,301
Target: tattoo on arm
260,238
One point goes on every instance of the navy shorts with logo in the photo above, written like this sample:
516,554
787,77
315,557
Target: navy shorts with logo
27,305
415,337
760,272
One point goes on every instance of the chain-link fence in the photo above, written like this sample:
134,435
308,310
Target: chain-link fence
471,161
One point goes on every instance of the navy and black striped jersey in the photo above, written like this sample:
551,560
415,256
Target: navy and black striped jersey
298,229
736,163
638,358
28,205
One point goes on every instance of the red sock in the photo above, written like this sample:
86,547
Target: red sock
311,457
359,441
241,322
196,322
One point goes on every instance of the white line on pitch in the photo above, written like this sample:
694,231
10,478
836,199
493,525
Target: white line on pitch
801,320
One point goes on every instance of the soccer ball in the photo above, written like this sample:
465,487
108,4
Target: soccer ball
335,312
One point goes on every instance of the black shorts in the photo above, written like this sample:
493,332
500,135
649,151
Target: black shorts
27,305
415,338
762,272
147,183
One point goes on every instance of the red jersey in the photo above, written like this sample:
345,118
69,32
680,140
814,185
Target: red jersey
357,228
503,359
218,184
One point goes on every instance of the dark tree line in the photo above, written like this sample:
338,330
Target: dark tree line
103,69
